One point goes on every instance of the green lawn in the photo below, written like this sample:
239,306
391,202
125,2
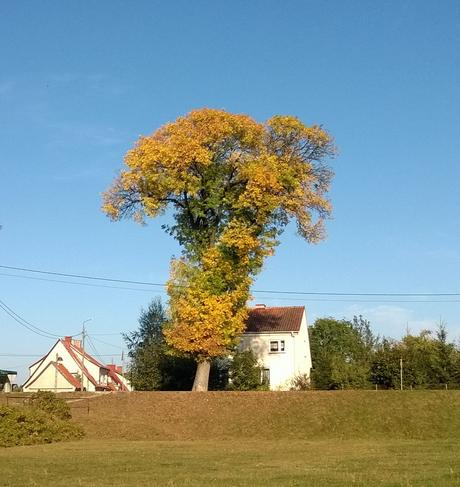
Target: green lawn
315,438
319,463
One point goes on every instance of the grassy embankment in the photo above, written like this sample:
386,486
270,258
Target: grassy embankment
316,438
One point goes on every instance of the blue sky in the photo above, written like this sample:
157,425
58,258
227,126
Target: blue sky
80,81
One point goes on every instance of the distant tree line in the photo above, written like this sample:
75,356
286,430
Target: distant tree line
348,355
345,354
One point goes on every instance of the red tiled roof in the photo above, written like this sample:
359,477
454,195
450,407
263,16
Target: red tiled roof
114,374
274,319
76,345
70,348
70,378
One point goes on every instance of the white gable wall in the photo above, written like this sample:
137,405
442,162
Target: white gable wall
47,381
50,380
283,365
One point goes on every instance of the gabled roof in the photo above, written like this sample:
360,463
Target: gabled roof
62,371
70,378
274,319
81,359
115,375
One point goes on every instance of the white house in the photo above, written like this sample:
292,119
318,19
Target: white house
67,365
278,336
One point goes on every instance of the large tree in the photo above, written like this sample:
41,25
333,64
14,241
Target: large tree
233,184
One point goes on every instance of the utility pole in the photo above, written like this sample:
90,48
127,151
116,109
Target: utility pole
56,372
401,372
83,334
56,363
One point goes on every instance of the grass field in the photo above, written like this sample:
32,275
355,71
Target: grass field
347,438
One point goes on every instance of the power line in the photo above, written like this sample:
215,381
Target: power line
34,355
106,334
19,355
106,343
80,283
272,298
316,300
21,321
302,293
81,276
26,324
91,344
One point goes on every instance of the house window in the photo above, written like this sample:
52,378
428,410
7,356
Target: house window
277,346
265,376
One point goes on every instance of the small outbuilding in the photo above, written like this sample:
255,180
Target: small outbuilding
7,380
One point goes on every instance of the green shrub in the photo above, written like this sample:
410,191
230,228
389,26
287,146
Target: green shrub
301,382
29,426
245,373
50,403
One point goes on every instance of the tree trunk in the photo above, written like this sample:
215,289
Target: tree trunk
202,376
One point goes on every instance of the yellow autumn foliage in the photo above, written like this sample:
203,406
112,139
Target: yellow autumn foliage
233,184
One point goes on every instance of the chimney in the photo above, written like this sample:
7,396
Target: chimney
115,368
261,306
68,339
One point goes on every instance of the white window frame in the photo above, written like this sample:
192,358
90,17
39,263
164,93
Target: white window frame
279,344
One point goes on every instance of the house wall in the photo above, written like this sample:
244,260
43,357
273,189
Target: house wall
47,381
34,367
283,366
50,381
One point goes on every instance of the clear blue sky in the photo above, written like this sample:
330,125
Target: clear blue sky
80,81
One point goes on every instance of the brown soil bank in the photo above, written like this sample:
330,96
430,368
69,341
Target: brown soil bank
272,415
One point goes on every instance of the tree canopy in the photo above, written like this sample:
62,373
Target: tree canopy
233,184
151,366
347,354
342,353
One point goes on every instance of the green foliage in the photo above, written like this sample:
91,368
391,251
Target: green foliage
51,404
151,323
346,354
428,361
341,353
152,367
233,185
46,421
244,372
301,382
219,374
385,365
446,366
